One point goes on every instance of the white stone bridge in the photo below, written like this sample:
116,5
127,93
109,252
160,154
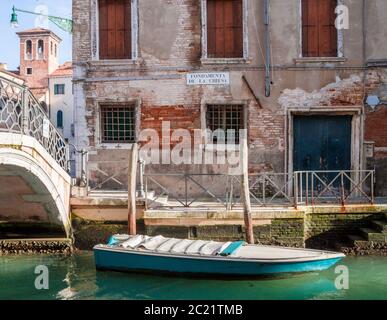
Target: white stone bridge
34,180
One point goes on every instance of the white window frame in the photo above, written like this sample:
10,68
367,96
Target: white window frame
25,51
205,59
340,38
95,33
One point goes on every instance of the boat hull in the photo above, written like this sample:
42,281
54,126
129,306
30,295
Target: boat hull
132,261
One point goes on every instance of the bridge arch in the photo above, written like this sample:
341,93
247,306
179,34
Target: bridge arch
34,182
29,186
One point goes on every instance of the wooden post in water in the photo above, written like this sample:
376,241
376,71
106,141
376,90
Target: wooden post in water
244,158
132,172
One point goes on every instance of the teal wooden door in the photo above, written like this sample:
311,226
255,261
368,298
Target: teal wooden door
322,143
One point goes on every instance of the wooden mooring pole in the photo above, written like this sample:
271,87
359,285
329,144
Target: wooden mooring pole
244,158
132,173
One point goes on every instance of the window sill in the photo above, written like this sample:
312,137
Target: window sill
321,60
221,147
115,146
118,62
209,61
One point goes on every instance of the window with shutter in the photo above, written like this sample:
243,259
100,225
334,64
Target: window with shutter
115,33
319,34
225,28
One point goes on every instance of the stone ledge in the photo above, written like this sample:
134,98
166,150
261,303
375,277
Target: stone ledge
320,60
216,214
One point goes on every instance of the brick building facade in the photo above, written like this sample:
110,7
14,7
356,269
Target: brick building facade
278,74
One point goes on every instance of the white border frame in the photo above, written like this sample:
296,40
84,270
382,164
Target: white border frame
94,26
340,36
204,57
356,131
98,129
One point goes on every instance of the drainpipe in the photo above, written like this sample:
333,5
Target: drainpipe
267,47
362,164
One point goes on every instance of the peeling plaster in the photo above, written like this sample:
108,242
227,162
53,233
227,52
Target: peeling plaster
323,97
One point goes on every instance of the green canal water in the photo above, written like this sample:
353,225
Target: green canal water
75,278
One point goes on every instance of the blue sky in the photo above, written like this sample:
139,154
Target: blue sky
9,41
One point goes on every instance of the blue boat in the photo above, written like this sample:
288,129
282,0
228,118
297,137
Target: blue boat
208,258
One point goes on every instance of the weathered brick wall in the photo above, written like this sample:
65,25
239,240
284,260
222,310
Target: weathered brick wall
327,229
375,129
81,32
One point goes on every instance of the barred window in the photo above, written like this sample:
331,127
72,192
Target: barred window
118,124
229,119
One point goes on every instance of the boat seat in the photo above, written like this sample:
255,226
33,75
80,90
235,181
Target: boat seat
231,248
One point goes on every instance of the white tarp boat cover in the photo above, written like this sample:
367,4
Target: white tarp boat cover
237,249
172,245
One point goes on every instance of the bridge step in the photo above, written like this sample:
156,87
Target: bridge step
372,235
379,225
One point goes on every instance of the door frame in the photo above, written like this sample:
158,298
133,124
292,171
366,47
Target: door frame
357,131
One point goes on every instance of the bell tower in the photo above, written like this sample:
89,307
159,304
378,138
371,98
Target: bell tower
39,56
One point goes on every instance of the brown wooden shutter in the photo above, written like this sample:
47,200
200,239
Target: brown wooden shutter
237,11
224,28
319,34
115,29
327,29
103,29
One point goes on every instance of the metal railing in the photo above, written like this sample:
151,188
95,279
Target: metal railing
342,187
185,189
271,188
107,176
266,189
20,112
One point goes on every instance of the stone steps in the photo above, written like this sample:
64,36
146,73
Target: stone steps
379,225
353,239
373,235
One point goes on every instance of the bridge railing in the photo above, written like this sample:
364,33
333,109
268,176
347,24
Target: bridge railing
21,112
